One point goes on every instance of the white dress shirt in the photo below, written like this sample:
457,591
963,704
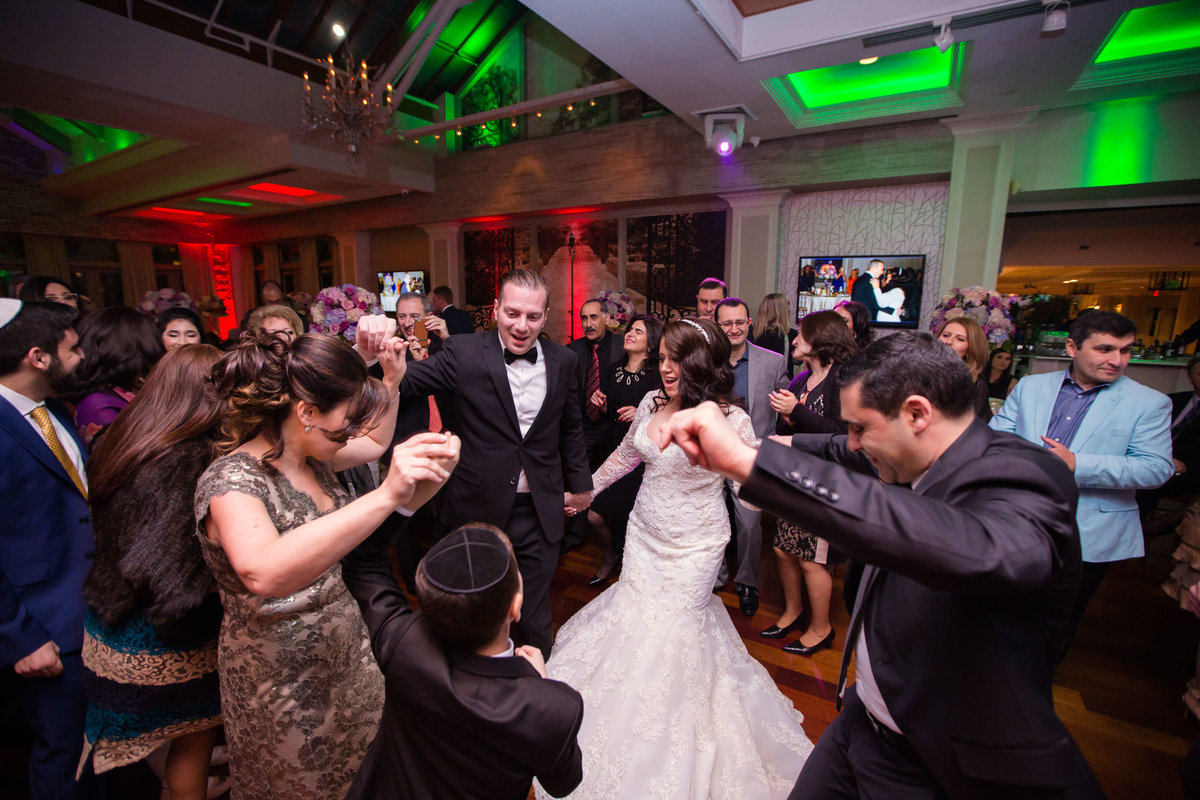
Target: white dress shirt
25,407
528,384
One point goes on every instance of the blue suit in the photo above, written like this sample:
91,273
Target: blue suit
1123,444
45,545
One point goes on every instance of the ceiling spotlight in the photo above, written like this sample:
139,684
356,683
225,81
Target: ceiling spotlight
871,60
1054,20
339,31
724,132
945,39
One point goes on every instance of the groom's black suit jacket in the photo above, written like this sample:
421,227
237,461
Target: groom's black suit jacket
864,293
966,598
470,369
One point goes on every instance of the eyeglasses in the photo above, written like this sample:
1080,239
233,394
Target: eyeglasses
734,323
66,297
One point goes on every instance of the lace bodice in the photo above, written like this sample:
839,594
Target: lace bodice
680,518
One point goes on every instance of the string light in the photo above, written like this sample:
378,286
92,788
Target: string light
593,102
570,107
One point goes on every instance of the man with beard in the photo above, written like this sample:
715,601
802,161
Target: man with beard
45,541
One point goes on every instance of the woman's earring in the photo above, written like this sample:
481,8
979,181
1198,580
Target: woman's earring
308,428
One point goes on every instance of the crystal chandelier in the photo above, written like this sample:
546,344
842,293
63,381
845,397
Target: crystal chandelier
347,110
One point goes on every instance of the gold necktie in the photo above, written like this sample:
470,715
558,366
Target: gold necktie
42,417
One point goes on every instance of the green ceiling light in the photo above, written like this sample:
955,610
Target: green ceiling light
1120,143
224,202
1148,43
897,84
1152,31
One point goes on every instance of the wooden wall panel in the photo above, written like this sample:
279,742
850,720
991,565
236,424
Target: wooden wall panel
628,164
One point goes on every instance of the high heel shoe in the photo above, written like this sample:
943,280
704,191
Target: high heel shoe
800,650
800,623
600,580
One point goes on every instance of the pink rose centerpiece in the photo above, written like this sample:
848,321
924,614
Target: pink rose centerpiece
992,310
337,310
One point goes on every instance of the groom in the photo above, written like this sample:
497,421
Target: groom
516,399
864,291
972,558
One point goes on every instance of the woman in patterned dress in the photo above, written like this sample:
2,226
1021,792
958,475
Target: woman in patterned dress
150,631
300,691
810,404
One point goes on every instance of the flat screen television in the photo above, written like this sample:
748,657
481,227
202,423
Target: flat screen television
395,283
900,286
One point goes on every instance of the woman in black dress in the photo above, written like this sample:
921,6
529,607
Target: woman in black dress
631,381
810,404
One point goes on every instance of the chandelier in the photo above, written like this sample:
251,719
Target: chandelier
347,110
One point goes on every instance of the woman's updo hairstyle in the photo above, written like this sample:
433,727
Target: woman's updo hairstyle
702,350
263,377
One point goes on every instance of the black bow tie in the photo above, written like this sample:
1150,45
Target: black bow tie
529,355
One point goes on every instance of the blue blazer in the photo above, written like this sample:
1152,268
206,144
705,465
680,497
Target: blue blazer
1123,444
45,541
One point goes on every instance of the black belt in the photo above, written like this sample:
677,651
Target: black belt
897,741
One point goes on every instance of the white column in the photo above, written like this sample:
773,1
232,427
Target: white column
445,257
979,186
754,244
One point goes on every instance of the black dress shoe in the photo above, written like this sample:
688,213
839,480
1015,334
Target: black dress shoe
801,650
800,623
600,580
748,600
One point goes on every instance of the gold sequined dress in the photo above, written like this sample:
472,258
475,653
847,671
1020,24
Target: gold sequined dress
300,691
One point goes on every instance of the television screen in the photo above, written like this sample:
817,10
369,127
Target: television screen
825,281
394,284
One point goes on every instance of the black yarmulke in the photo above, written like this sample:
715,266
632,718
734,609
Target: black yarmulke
469,560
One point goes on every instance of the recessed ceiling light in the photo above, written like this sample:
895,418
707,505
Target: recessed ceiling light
339,31
870,60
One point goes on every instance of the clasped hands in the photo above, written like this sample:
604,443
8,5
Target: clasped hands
424,458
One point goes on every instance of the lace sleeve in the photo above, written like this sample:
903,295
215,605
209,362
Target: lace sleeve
745,429
626,457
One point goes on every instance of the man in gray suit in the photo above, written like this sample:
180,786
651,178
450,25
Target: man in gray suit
756,373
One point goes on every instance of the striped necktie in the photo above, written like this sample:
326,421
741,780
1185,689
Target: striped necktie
42,417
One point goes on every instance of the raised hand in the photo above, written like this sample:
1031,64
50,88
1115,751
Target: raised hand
373,331
437,325
709,441
391,360
424,457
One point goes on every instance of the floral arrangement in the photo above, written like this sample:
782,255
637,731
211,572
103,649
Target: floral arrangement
157,301
620,308
337,310
992,310
300,302
827,272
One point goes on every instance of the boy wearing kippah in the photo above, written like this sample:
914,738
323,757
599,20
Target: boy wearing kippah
466,714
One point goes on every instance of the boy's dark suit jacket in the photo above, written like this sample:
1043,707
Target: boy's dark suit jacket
968,591
456,724
483,487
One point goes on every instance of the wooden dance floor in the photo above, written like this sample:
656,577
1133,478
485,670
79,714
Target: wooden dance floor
1118,691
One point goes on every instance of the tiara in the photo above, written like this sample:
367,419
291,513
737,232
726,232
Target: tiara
700,328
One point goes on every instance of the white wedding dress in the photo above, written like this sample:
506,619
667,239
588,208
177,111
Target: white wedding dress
893,299
674,706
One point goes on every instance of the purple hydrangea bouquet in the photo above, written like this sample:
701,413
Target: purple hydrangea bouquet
337,310
992,310
157,301
620,308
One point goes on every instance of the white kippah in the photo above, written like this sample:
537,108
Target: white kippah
9,309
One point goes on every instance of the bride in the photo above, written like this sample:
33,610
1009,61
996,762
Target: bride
674,706
892,298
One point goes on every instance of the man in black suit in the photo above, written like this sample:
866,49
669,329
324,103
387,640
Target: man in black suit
1185,445
457,320
863,292
516,401
962,607
598,352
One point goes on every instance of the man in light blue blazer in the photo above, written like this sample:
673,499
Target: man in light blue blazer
1114,434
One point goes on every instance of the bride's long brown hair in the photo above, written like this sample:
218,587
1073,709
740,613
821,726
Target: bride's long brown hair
703,358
